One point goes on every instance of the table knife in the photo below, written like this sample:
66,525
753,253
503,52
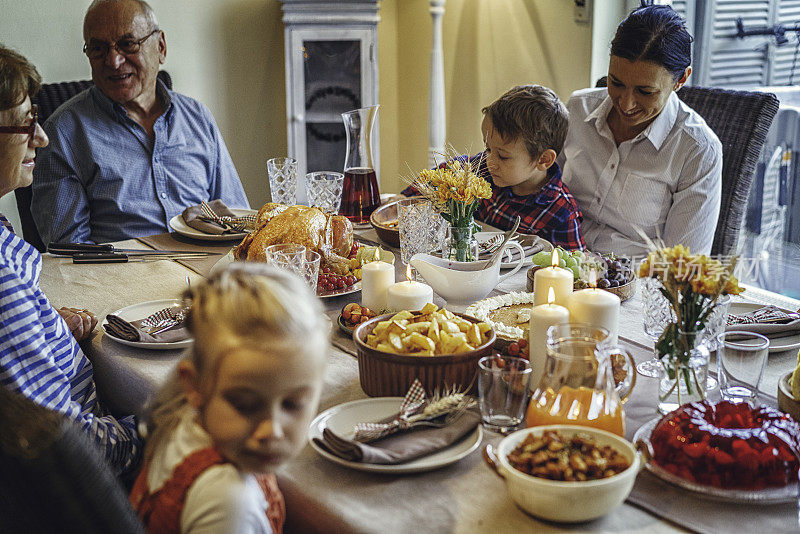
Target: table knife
70,249
118,257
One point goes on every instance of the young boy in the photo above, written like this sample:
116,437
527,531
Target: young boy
523,131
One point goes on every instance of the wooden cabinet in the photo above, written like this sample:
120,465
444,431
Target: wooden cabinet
331,67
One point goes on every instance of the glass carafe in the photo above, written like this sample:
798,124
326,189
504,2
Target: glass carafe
360,194
585,381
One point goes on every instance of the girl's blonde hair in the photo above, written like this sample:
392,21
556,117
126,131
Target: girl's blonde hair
248,305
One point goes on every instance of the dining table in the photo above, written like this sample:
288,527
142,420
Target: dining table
463,497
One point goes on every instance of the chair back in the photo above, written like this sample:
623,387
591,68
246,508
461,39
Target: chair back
49,98
741,120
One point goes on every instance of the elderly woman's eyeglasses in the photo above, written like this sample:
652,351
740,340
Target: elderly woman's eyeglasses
29,129
96,49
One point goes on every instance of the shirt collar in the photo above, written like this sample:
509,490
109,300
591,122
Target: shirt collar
656,131
112,107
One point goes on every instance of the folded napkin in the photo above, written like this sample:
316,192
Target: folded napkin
137,331
768,321
212,217
401,447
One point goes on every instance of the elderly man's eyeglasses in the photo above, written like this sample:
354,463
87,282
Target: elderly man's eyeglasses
95,49
29,129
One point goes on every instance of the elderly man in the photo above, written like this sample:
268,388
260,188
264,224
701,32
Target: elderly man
127,155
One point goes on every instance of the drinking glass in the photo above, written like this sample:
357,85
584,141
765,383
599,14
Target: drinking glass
741,359
503,391
311,269
283,180
419,228
657,313
324,189
287,256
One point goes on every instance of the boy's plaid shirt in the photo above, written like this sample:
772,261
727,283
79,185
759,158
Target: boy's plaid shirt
552,213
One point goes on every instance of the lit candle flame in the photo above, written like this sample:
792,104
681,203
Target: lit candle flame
551,295
408,272
377,254
592,278
554,258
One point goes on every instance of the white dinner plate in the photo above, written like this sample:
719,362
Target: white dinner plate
140,311
776,344
762,496
228,258
342,418
524,240
179,225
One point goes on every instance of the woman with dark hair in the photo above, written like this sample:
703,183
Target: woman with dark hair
39,353
638,160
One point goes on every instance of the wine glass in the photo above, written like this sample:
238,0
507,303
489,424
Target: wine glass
657,314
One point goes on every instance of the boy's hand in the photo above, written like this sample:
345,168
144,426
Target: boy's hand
80,322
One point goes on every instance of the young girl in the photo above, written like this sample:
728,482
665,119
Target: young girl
239,405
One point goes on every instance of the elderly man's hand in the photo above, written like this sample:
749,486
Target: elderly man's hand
80,322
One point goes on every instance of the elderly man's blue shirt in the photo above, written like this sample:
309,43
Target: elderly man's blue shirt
102,178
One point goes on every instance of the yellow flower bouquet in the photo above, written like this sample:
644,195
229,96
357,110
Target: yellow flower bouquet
692,284
455,190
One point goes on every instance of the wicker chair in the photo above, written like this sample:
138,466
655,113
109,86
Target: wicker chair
51,96
741,120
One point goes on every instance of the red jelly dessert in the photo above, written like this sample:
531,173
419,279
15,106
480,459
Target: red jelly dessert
728,445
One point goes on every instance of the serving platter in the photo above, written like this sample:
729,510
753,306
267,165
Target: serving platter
763,496
776,343
180,227
342,418
140,311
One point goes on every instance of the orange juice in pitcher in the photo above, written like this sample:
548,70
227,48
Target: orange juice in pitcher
577,386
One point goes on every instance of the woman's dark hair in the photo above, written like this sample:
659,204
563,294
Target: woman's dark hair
657,34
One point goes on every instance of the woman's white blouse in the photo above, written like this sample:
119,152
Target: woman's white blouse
666,182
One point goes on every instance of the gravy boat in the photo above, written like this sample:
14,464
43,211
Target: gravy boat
463,282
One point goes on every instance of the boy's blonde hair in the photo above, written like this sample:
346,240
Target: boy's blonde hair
247,305
532,113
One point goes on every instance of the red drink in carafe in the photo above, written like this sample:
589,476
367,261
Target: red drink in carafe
360,194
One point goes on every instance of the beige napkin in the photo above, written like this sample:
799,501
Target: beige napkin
788,328
133,331
402,447
192,217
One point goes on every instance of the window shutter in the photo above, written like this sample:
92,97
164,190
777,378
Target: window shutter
781,65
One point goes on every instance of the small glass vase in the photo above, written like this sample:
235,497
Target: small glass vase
461,244
682,374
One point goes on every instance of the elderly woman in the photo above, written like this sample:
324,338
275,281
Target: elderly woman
641,163
39,355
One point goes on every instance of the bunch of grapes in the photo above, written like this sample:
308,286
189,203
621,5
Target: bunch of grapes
330,281
618,272
571,260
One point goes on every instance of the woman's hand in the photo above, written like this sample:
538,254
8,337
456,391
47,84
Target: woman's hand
80,322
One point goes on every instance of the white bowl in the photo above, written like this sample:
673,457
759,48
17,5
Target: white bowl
555,500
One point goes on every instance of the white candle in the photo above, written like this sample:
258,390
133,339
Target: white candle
376,277
595,307
408,295
554,276
543,317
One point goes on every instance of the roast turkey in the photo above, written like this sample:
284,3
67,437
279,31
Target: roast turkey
329,235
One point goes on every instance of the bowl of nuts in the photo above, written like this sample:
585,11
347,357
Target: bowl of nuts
437,346
354,314
566,473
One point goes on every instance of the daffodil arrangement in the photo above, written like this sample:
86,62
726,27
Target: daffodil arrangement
455,190
691,283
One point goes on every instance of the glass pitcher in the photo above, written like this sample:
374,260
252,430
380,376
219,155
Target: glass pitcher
585,381
360,194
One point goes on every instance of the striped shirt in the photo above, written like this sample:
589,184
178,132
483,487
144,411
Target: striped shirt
40,358
666,182
102,178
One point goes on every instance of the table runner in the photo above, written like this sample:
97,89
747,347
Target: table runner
201,266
